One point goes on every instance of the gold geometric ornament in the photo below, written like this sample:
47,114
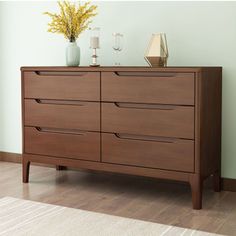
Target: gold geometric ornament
157,51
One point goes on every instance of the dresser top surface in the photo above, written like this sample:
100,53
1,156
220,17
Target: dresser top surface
120,68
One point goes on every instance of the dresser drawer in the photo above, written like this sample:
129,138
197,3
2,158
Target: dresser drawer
62,143
146,119
62,114
153,152
148,87
62,85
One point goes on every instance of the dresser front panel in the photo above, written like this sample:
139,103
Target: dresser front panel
63,143
145,119
153,152
62,114
148,87
62,85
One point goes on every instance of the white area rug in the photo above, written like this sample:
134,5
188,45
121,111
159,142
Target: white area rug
22,217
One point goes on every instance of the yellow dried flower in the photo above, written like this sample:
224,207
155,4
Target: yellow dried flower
73,19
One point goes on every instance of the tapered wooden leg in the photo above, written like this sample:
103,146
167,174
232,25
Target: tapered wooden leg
26,168
196,188
60,167
217,181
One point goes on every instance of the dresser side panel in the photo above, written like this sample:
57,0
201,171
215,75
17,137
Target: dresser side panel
210,121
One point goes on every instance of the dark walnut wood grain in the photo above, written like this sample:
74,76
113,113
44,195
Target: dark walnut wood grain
58,114
62,85
63,143
148,87
157,122
153,152
168,121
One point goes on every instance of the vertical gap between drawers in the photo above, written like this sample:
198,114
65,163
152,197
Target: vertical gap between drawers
100,102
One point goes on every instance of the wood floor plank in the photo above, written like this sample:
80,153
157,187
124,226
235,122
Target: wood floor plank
128,196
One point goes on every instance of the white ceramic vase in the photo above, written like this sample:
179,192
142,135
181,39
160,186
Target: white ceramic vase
72,54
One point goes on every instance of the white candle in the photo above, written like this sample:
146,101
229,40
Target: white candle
94,42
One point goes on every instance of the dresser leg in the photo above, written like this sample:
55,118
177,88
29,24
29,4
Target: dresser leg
217,181
196,188
61,168
26,168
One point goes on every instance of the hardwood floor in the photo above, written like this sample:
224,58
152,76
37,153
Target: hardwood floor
128,196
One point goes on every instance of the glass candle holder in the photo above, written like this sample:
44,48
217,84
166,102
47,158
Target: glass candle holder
94,44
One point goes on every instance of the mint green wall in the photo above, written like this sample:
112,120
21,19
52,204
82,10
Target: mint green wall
199,33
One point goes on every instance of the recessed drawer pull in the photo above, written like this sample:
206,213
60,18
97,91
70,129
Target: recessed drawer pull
145,74
60,73
59,102
146,138
62,131
144,106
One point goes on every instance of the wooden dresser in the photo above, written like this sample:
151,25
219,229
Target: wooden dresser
157,122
